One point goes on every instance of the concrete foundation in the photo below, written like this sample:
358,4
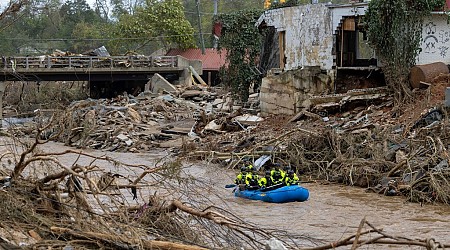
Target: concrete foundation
285,93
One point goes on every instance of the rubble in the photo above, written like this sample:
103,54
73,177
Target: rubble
389,150
159,84
357,138
136,124
362,139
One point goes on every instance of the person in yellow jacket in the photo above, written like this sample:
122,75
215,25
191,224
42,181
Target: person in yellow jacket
240,178
291,178
275,176
248,164
265,181
251,179
284,171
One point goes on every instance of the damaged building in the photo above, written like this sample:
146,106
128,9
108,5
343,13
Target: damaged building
317,56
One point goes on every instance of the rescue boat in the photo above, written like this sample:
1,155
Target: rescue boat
275,194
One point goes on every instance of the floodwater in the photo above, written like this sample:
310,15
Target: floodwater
332,212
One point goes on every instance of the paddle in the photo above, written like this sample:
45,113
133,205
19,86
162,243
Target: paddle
273,187
230,185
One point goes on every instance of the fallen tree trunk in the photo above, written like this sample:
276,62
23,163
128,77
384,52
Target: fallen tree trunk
121,241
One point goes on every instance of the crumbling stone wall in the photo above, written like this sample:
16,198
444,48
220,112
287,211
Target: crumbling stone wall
284,93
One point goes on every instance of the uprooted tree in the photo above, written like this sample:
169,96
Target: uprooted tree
100,202
394,28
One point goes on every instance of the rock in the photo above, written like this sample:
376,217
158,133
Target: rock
122,137
191,93
248,119
274,244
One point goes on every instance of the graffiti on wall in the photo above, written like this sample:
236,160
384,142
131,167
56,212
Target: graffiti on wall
315,34
435,40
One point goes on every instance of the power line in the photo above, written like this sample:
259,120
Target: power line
203,13
98,39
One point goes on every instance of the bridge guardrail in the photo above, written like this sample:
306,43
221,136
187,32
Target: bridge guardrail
88,62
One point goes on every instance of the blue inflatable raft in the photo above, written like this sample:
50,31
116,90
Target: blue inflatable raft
275,195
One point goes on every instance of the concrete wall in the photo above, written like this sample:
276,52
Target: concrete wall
310,36
185,63
308,30
436,40
346,10
286,92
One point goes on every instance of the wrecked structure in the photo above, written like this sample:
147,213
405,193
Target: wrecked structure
321,49
107,76
212,60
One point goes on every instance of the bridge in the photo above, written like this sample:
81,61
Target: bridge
106,76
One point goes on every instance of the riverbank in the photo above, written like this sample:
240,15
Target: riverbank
333,211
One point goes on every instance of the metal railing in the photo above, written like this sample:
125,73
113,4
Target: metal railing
88,62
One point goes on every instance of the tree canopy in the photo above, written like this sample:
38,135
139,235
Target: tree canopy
155,21
44,25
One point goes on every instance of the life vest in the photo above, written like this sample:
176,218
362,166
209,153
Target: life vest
289,180
240,178
263,182
251,179
275,175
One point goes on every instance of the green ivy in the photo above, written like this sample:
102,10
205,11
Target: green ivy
242,42
394,29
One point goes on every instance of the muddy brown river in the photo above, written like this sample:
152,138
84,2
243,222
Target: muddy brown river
332,212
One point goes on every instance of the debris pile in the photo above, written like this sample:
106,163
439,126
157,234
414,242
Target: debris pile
387,149
126,123
137,124
392,150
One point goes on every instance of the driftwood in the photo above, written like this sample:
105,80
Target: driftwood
381,239
125,241
20,166
253,152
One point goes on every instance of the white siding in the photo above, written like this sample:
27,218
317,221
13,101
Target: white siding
435,40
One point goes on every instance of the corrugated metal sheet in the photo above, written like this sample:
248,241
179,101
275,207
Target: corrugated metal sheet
212,59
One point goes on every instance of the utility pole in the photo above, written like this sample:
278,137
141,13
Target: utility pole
215,7
215,38
200,26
